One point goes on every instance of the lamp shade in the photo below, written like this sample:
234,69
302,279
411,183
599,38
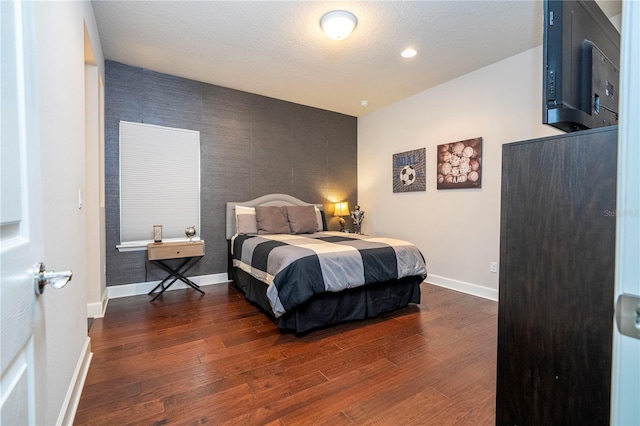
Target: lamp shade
338,24
342,209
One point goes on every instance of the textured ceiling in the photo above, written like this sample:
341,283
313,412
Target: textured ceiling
277,49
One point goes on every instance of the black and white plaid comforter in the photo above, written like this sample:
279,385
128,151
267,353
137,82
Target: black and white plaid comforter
298,266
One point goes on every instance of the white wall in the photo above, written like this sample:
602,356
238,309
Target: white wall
458,231
60,340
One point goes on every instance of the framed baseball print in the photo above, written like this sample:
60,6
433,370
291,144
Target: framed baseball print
460,164
409,172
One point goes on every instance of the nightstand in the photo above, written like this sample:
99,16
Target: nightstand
159,253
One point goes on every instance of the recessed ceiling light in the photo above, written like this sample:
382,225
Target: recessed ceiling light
338,24
364,103
408,53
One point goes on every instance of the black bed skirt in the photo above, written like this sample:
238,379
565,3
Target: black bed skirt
326,309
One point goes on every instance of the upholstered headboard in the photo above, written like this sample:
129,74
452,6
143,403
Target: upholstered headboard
265,200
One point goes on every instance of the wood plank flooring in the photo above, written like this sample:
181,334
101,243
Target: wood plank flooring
188,359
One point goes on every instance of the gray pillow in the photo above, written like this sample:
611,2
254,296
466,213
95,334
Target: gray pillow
272,220
302,219
246,220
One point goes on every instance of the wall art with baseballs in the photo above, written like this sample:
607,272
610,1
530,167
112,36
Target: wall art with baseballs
409,171
460,164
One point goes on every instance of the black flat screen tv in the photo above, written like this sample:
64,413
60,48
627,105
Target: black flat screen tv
581,62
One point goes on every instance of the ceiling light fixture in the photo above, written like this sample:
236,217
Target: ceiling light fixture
408,53
338,24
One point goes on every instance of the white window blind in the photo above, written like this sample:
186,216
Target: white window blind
159,181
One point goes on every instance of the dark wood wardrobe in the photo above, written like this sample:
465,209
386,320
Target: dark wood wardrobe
556,300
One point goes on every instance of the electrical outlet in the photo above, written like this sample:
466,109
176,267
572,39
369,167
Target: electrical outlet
493,267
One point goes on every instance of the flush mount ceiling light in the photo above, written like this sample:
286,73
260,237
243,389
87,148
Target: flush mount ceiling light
338,24
408,53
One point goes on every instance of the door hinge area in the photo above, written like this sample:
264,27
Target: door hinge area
628,315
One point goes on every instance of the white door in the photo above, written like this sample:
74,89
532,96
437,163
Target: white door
21,244
625,388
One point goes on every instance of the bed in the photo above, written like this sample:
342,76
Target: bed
284,260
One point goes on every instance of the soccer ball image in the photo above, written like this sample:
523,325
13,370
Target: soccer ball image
407,175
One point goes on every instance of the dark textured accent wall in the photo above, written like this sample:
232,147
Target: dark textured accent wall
250,146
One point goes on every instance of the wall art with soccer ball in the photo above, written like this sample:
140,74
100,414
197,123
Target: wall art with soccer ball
460,164
409,171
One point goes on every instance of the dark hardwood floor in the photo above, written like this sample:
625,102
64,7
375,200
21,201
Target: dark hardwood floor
217,359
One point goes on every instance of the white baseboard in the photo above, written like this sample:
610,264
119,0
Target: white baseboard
72,399
97,309
136,289
464,287
94,310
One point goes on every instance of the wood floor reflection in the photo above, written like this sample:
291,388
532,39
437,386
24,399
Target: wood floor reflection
217,359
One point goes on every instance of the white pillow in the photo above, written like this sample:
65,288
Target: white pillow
319,219
246,220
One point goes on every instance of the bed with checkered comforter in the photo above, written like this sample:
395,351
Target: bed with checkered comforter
296,268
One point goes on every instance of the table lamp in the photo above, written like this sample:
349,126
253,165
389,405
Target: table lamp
341,209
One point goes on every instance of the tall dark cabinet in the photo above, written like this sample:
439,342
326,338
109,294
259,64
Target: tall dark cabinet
557,244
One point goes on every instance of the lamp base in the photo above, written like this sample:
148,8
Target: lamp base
342,222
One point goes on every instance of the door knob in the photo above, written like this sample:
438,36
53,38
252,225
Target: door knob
42,277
